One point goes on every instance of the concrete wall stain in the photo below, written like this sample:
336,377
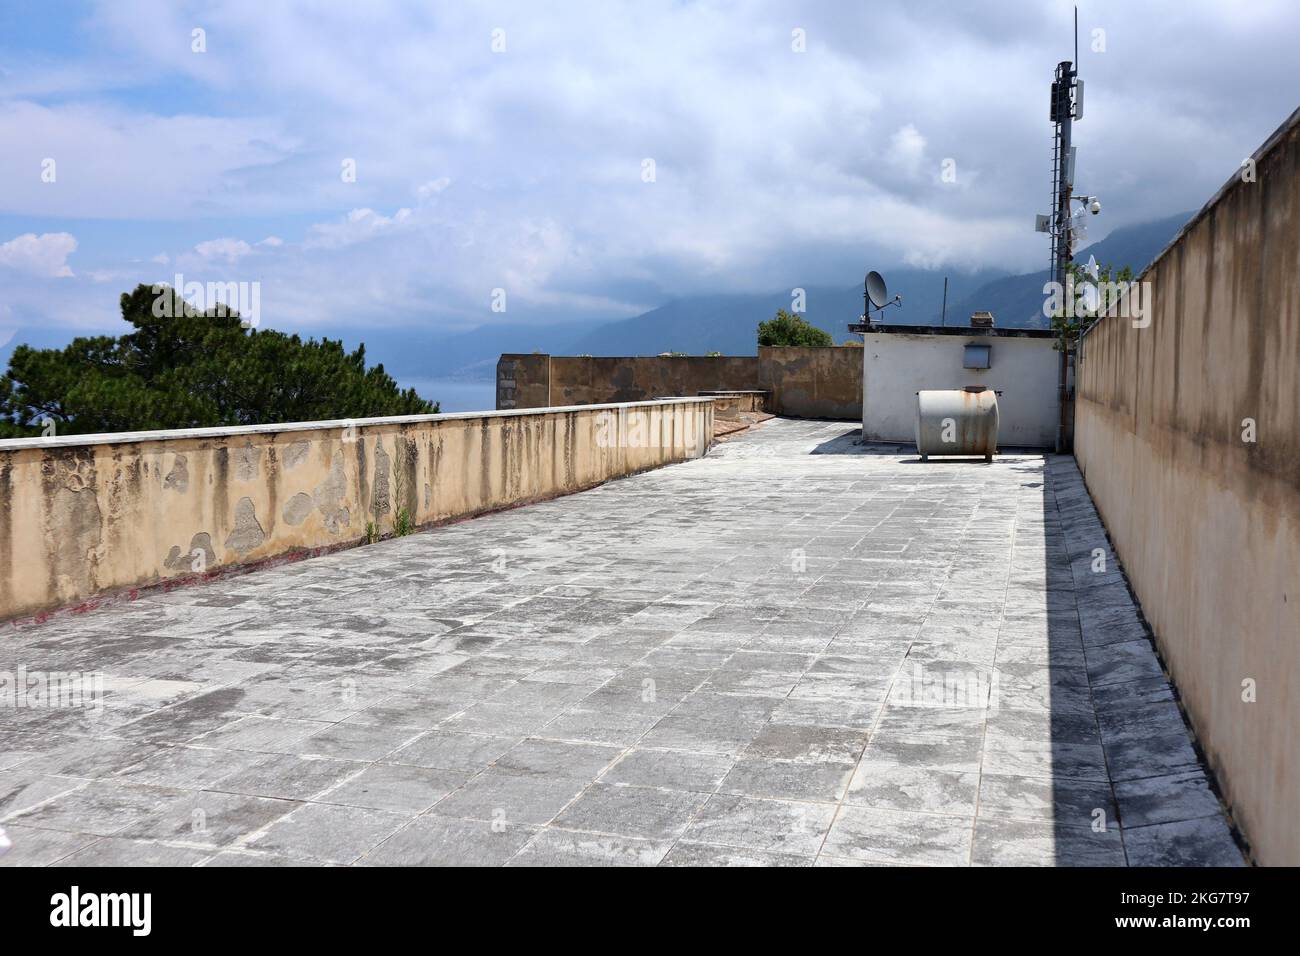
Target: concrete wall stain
185,561
408,463
6,534
178,478
295,454
272,485
363,484
485,460
329,496
248,459
297,508
221,486
248,533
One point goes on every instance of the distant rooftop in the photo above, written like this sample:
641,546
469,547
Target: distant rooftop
953,330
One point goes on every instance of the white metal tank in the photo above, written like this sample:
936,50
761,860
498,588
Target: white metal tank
957,422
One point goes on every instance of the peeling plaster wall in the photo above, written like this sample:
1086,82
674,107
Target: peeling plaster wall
1208,525
87,515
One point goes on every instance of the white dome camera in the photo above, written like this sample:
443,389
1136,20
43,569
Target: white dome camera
1094,207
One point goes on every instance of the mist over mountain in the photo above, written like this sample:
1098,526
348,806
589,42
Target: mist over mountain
724,323
1017,301
423,352
728,323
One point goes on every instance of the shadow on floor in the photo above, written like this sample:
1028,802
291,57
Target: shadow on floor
851,443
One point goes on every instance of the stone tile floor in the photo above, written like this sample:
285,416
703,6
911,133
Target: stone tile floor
764,657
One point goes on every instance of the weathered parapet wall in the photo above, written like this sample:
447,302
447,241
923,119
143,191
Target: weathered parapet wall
1206,521
813,382
585,379
803,382
82,516
524,381
731,405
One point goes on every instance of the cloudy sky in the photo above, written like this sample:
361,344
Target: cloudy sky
593,159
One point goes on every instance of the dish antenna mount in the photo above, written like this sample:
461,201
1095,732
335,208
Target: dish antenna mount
875,295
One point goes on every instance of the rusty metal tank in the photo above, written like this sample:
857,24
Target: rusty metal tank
957,422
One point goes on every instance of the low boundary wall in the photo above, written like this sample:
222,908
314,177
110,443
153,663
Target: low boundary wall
86,515
802,382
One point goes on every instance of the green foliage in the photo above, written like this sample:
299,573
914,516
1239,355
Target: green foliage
192,369
1108,278
402,456
851,344
787,329
372,532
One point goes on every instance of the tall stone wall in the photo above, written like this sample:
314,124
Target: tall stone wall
1188,434
813,382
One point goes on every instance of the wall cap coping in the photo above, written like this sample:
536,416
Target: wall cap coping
662,358
172,434
963,330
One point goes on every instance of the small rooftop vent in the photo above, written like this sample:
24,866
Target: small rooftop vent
981,320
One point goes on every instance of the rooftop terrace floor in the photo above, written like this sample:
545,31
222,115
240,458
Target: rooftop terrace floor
766,656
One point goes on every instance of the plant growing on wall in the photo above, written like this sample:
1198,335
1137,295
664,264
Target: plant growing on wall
787,329
181,368
403,452
1087,297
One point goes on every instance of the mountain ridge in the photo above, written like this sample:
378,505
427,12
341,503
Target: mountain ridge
728,323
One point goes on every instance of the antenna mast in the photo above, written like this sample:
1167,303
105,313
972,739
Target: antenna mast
1065,108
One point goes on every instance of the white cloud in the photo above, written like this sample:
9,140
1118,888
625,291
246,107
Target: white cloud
432,187
907,149
44,256
115,162
772,167
228,249
358,225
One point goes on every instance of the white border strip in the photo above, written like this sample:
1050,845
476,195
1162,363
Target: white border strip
115,438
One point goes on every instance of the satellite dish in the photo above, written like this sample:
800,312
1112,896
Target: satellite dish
876,291
1090,298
